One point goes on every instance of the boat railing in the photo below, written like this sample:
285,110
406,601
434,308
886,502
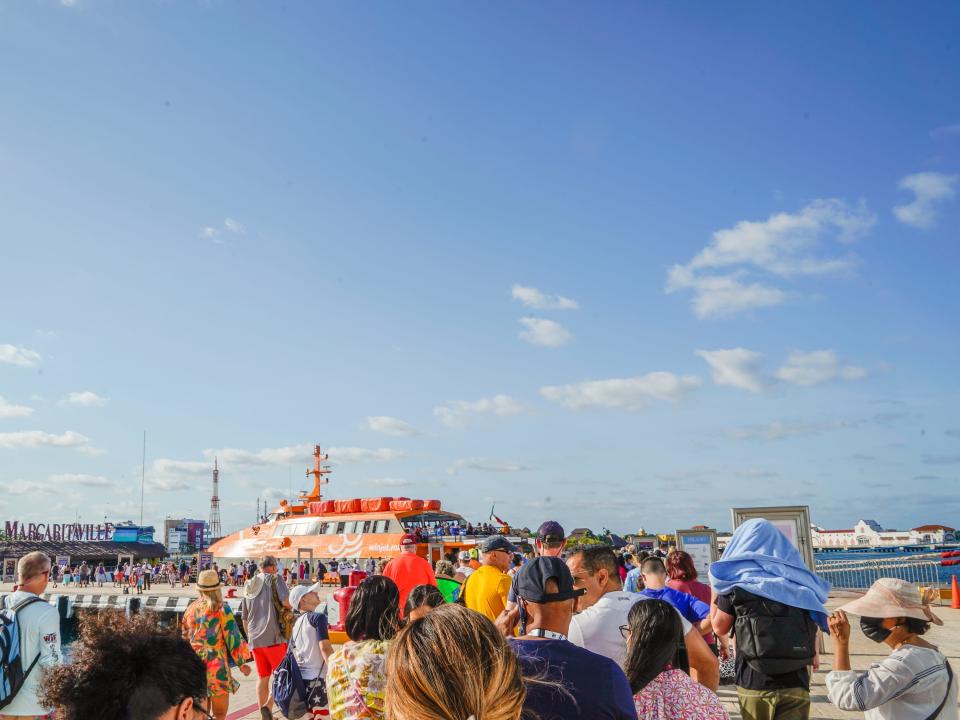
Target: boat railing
923,571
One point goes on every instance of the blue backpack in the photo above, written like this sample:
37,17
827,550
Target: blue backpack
12,675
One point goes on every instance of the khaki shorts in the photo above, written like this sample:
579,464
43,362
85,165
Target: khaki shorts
785,704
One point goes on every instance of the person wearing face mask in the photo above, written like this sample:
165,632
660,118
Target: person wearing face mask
915,682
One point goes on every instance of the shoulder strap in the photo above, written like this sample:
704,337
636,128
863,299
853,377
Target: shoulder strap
23,603
946,696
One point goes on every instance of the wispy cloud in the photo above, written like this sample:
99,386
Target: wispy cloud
9,410
945,132
782,246
630,393
741,368
458,413
85,398
80,479
21,356
216,232
941,459
929,189
487,465
531,297
781,430
296,455
39,438
391,426
168,475
736,367
390,482
546,333
819,366
29,488
364,455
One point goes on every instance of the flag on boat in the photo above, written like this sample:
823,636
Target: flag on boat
495,519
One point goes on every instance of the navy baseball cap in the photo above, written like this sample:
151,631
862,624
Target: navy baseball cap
497,542
551,530
531,581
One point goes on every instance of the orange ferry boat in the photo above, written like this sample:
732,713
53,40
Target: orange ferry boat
315,529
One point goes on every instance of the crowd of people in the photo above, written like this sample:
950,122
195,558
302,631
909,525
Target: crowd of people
556,636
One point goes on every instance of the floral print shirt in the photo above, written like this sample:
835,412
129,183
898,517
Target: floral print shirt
356,680
216,638
674,695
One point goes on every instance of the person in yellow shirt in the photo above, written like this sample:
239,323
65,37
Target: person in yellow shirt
486,589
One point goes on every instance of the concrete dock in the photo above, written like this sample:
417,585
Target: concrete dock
243,705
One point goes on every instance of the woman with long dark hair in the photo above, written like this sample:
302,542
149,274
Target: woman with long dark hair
355,673
657,669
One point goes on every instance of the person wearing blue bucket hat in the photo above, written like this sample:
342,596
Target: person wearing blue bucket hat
774,603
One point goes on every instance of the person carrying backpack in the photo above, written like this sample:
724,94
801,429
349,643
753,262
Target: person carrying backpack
763,590
29,641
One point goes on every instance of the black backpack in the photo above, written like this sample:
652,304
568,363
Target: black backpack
772,637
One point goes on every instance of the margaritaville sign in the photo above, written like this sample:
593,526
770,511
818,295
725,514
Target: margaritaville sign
74,532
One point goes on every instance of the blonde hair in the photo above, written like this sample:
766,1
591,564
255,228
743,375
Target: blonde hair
31,565
450,665
211,599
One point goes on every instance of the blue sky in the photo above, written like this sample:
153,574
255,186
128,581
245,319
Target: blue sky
620,266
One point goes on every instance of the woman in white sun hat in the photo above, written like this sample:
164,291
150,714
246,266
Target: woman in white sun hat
915,682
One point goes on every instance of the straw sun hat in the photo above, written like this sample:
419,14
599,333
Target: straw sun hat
208,580
893,598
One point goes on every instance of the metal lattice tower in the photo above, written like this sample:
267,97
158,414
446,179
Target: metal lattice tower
214,523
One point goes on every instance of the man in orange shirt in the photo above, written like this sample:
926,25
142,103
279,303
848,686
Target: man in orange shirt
408,569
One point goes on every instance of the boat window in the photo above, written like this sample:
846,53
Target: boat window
380,526
287,530
366,527
330,528
305,528
340,527
351,526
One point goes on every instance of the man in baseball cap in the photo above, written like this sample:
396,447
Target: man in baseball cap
310,644
408,569
486,589
550,542
546,596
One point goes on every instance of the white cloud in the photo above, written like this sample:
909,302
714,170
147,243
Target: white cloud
780,430
210,232
928,188
364,455
85,398
487,465
722,295
531,297
627,393
39,438
234,226
296,455
737,367
9,410
391,426
389,482
458,413
292,454
783,246
166,475
547,333
945,131
19,355
817,367
80,479
28,487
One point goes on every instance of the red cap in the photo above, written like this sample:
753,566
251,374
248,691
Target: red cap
408,540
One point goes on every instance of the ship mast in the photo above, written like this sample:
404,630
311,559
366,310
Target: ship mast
318,473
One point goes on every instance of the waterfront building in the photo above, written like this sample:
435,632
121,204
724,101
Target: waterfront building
869,533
